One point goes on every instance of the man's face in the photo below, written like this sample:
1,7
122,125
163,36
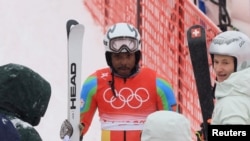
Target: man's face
223,66
123,63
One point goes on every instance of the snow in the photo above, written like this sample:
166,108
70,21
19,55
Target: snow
33,33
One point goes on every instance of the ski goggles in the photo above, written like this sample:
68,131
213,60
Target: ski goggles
124,43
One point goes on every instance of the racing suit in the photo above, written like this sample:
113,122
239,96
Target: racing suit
123,110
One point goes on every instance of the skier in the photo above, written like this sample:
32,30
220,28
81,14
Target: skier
24,97
166,125
124,93
231,62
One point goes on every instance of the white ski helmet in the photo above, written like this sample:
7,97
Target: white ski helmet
232,43
113,39
122,37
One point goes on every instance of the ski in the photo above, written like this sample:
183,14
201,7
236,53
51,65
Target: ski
196,37
75,32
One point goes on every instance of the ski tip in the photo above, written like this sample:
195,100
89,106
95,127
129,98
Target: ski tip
69,24
72,22
195,27
195,32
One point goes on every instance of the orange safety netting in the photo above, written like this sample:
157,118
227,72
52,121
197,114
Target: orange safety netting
163,25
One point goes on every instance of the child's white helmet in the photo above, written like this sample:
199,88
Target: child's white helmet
122,37
232,43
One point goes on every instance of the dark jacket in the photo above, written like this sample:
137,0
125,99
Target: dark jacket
24,98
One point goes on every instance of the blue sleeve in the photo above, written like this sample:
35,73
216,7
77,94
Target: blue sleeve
88,90
165,91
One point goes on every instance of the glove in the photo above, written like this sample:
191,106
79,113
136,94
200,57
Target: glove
199,135
81,126
66,129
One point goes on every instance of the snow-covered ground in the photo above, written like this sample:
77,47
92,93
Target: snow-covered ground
33,33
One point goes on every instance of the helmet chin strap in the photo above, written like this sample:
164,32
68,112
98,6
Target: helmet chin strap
235,64
112,84
134,71
113,73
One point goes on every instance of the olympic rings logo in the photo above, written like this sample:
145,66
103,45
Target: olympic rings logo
126,97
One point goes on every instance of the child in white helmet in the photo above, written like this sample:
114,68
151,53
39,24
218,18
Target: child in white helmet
230,52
